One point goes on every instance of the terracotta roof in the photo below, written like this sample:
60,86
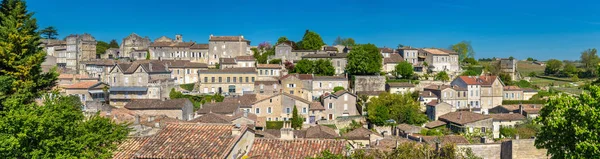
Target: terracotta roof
316,106
245,58
231,70
227,61
359,134
400,84
191,141
427,94
230,105
129,147
271,66
328,55
512,88
321,132
407,127
227,38
386,50
84,85
481,80
394,58
370,93
330,78
212,118
532,110
436,51
199,46
297,98
507,117
157,104
463,117
298,148
435,124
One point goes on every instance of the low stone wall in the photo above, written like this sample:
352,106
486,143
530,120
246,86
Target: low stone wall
487,151
523,148
343,122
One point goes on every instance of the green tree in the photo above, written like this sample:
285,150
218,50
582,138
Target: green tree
296,119
570,125
552,66
470,61
364,59
532,74
147,55
442,76
569,70
400,107
464,50
590,60
101,47
304,66
344,41
113,44
324,67
217,65
337,88
275,61
311,41
49,32
505,78
404,70
281,39
531,59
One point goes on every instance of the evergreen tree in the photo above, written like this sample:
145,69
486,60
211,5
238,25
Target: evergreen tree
147,55
49,32
113,44
296,119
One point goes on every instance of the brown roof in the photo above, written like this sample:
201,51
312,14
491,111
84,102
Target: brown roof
129,148
435,124
191,141
227,61
328,55
400,84
394,58
432,103
299,76
316,106
199,46
359,134
231,70
245,58
298,148
507,117
71,76
436,51
481,80
85,85
370,93
426,94
462,117
512,88
407,127
219,108
321,132
447,139
271,66
386,50
330,78
212,118
227,38
157,104
157,66
297,98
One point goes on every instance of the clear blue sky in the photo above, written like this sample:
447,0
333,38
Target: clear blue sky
541,29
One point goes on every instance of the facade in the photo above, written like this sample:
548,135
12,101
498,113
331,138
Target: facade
513,93
297,84
165,48
227,47
528,93
369,83
245,61
269,70
183,71
79,48
267,88
484,92
139,80
441,60
339,60
509,66
390,62
87,91
339,104
400,87
132,43
453,95
325,84
181,109
112,53
99,68
285,52
227,80
435,110
410,55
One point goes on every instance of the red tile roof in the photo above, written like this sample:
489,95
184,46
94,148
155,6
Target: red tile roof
83,85
512,88
394,58
481,80
137,104
128,149
463,117
298,148
316,106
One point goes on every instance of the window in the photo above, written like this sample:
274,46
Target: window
220,79
260,72
287,110
274,86
114,79
345,106
471,93
213,79
269,110
458,104
268,119
476,93
252,79
188,71
291,85
292,92
330,105
346,97
257,111
505,95
240,79
272,72
140,80
246,79
304,110
228,79
270,100
320,84
205,79
126,80
261,86
512,95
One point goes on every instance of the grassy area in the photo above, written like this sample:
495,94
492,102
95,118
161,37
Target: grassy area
526,67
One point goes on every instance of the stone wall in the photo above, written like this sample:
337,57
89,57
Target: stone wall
523,148
487,151
369,83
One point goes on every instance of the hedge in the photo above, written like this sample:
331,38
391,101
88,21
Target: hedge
507,102
554,78
188,87
275,124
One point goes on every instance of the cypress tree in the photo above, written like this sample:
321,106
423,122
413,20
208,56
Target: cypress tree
296,119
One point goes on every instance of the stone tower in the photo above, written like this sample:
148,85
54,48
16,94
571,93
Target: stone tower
178,38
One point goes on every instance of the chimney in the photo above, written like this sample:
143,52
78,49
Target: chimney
236,130
521,109
287,133
430,93
245,113
460,116
137,120
150,66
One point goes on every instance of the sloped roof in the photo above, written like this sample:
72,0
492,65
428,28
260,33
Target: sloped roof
437,51
84,85
462,117
299,76
227,61
435,124
512,88
298,148
129,148
481,80
401,84
507,117
330,78
321,132
316,106
407,127
330,48
227,38
394,58
359,134
245,58
157,104
268,66
386,50
199,46
171,44
212,118
327,55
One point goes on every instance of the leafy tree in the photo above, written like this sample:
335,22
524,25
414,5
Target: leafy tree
296,119
304,66
147,55
49,32
344,41
569,70
552,66
324,67
531,59
404,70
281,39
569,125
113,44
505,78
217,65
464,50
289,66
311,41
275,61
265,45
442,76
469,73
590,60
364,59
400,107
508,132
532,74
337,88
470,61
101,47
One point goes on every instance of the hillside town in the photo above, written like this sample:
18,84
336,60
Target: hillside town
227,98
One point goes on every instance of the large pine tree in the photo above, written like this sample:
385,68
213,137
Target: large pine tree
57,129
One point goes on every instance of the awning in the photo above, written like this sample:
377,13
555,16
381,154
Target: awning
95,91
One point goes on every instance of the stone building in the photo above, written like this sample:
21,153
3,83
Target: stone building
400,87
181,109
339,104
483,92
99,68
227,80
269,70
227,47
134,42
79,48
269,88
339,60
139,80
297,84
87,91
183,71
165,48
463,121
325,84
441,60
513,93
369,83
435,110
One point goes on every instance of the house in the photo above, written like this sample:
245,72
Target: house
184,71
516,108
509,66
88,91
339,60
269,70
227,80
528,93
139,80
270,108
339,104
65,80
464,121
241,118
80,47
190,140
435,124
434,109
134,43
112,53
325,84
245,61
410,55
297,148
316,110
484,92
361,137
386,52
165,48
227,63
390,62
297,84
288,102
426,97
285,52
227,47
453,95
175,108
404,129
441,60
505,120
99,68
513,93
268,88
400,87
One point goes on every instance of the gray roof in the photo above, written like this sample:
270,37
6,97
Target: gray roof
328,55
132,89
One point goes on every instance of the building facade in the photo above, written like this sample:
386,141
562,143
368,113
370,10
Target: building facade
139,80
79,48
134,42
227,80
339,60
441,60
483,92
227,47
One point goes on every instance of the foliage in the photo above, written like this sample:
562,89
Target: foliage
485,59
470,61
442,76
147,55
527,129
432,132
188,86
531,59
464,50
197,100
523,84
505,78
274,124
569,70
289,66
590,60
476,134
364,59
400,107
262,56
404,70
320,67
532,74
493,68
406,150
352,126
101,47
344,41
275,61
508,132
570,125
337,88
304,66
311,41
49,32
470,70
297,120
217,65
552,67
113,44
281,39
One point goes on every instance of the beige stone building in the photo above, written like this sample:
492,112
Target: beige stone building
267,87
339,104
513,93
227,80
400,87
87,91
325,84
139,80
165,48
183,71
181,109
269,70
339,60
484,92
133,43
99,68
435,110
390,62
227,47
505,120
79,48
297,84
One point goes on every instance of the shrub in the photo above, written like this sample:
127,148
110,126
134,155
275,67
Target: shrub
274,124
188,87
508,132
338,88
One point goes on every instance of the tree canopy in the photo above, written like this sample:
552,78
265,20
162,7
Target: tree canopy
311,41
364,59
464,50
319,67
113,44
49,32
570,125
404,70
344,41
553,66
281,39
304,67
590,60
400,107
442,76
101,47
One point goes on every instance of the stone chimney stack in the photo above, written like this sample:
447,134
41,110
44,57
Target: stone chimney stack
236,130
287,133
150,66
521,109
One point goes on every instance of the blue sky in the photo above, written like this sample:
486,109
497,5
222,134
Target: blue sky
542,29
